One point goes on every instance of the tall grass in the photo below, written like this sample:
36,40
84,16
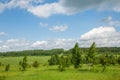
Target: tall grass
45,72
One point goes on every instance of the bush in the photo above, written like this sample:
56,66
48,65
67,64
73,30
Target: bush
7,67
2,77
0,64
62,64
35,64
103,61
54,60
118,60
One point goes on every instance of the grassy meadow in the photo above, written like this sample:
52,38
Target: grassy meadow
46,72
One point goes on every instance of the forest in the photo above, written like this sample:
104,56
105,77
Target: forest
100,50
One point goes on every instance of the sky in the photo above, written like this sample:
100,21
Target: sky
48,24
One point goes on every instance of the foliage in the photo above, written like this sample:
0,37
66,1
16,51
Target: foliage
62,63
76,56
54,60
118,60
91,55
68,60
0,64
103,61
35,64
23,64
112,60
7,67
2,77
33,52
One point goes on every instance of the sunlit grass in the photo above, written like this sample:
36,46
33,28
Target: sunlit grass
45,72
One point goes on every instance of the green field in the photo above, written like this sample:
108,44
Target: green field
45,72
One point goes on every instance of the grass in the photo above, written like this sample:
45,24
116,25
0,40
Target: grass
45,72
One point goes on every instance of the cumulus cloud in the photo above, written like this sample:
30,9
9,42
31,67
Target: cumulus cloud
4,48
15,45
67,7
40,44
23,44
59,28
46,10
100,32
62,43
103,36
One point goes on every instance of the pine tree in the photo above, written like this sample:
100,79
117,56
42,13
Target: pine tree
104,61
62,64
68,60
91,56
23,64
54,60
76,56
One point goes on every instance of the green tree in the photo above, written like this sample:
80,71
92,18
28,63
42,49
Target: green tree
76,56
68,60
0,64
103,61
118,60
91,55
62,63
35,64
23,64
7,67
112,60
54,60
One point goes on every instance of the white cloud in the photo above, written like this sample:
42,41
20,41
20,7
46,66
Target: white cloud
67,7
59,28
110,22
23,44
4,48
39,44
43,24
15,45
64,43
100,32
46,10
103,36
1,41
2,33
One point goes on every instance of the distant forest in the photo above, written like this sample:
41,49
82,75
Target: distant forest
100,50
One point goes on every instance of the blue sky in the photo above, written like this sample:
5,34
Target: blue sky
47,24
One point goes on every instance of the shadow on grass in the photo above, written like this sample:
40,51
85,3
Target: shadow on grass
51,70
2,77
83,70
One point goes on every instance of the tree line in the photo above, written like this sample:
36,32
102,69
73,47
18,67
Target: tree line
33,52
101,50
76,57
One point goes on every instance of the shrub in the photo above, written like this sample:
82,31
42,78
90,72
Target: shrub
118,60
7,67
35,64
